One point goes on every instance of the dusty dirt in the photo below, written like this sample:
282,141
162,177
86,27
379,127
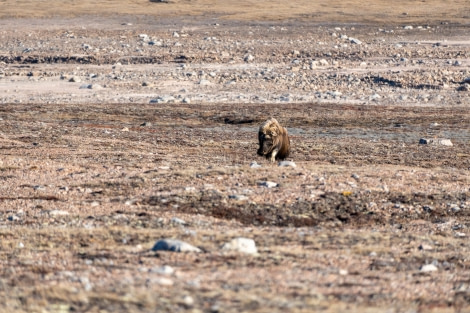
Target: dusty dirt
117,131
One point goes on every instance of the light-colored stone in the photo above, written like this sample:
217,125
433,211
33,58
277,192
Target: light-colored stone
287,163
442,142
240,244
355,41
268,184
238,197
175,246
428,268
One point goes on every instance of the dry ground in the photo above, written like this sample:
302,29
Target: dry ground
109,143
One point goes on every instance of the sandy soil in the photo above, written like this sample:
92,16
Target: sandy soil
120,130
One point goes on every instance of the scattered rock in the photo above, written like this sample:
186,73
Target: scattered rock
238,197
425,247
58,212
355,41
164,270
13,218
147,84
75,79
428,268
464,87
175,246
240,244
177,221
204,82
442,142
287,163
163,99
249,58
268,184
254,165
162,281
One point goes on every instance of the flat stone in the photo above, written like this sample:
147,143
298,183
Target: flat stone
240,244
428,268
204,82
238,197
355,41
163,99
164,270
287,163
175,246
442,142
249,58
75,79
58,212
178,221
268,184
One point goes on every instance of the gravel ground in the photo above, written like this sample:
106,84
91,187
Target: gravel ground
117,132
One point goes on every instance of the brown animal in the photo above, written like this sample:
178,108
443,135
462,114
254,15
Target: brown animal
274,142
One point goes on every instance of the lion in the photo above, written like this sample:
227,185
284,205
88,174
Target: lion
274,141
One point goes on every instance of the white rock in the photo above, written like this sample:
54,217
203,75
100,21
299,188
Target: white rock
238,197
174,245
408,27
13,218
428,268
188,301
58,212
240,244
343,272
249,58
323,62
442,142
254,165
425,247
163,99
445,142
176,35
204,82
287,163
268,184
164,270
163,281
355,41
75,79
175,220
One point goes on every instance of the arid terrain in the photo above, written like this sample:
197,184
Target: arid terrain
122,126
